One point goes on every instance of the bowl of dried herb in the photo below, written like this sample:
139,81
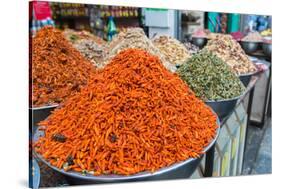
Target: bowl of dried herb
213,81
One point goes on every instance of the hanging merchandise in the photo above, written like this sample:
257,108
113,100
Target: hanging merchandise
213,22
111,29
223,22
41,16
233,23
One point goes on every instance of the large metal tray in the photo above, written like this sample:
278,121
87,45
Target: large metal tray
182,169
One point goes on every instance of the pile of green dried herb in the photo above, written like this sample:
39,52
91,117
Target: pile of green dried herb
210,78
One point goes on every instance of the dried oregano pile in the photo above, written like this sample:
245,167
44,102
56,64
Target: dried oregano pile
210,78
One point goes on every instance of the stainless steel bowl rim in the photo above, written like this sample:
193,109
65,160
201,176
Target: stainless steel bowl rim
250,73
141,175
254,42
197,37
45,107
229,99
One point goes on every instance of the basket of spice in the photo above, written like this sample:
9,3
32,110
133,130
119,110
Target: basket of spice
213,81
229,50
135,120
58,71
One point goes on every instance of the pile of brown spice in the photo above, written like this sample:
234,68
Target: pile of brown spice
90,46
135,38
173,50
58,69
133,116
229,50
73,35
92,51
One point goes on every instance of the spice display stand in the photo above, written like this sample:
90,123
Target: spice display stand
210,159
266,103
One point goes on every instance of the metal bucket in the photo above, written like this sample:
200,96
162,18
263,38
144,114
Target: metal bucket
182,169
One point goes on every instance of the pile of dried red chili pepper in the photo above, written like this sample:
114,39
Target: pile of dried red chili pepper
58,69
133,116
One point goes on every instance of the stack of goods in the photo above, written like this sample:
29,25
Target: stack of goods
134,116
90,46
210,78
135,38
192,49
253,37
58,69
229,50
173,50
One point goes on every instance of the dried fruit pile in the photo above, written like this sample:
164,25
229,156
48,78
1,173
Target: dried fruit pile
210,78
173,50
229,50
58,69
135,38
133,116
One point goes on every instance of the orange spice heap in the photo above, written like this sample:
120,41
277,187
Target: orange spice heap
133,116
58,69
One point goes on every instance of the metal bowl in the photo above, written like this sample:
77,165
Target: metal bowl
182,169
223,107
246,78
41,113
267,49
199,41
249,47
